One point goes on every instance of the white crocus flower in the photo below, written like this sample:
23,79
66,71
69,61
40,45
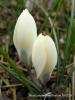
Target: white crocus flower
44,57
25,34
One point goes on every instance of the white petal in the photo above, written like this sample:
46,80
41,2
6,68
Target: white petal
51,59
44,57
51,54
25,31
39,55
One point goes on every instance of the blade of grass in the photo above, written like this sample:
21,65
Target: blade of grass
73,85
19,73
58,7
57,3
69,35
20,6
31,86
43,25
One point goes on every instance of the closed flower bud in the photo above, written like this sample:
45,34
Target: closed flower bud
25,34
44,57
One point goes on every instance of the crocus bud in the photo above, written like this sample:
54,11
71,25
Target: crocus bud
44,57
25,34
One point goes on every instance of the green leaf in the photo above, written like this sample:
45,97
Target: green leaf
33,88
73,33
69,35
19,75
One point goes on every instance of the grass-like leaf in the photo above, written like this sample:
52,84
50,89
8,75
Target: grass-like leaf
12,70
69,35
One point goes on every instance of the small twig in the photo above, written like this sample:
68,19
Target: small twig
54,77
3,62
21,68
69,91
73,82
0,93
14,93
1,71
1,57
73,86
17,63
70,65
10,86
18,67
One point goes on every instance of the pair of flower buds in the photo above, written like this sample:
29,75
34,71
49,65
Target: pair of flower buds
39,50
